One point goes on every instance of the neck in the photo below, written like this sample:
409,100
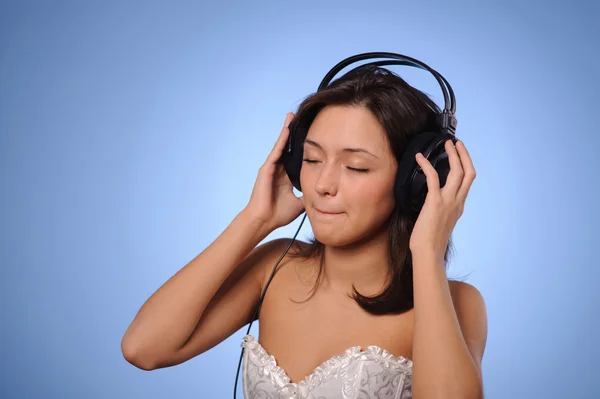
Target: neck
364,264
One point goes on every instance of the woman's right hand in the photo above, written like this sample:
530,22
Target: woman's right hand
273,201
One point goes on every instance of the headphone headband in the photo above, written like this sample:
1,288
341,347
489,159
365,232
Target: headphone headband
447,121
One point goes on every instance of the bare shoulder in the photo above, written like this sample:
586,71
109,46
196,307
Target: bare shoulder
467,299
462,290
273,252
471,313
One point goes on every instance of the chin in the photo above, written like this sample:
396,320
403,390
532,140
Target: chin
332,240
329,234
334,236
342,235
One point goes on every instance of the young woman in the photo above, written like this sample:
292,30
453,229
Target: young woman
365,309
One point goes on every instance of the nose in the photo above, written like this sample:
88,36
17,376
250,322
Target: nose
327,181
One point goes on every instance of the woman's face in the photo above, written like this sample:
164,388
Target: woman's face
347,175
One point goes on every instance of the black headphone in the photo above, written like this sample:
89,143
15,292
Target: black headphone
410,187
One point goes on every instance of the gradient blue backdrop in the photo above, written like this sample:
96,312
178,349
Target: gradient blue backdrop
131,134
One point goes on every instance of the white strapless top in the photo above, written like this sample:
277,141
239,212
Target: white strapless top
372,373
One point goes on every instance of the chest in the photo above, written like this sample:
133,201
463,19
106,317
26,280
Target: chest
354,374
303,334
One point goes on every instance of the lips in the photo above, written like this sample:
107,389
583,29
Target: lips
327,212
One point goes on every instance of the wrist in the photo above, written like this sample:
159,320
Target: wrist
257,225
426,254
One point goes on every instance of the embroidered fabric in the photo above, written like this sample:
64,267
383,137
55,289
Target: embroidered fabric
370,373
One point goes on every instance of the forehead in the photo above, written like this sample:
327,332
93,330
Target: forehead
337,127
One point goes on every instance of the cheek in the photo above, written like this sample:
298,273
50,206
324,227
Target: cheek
371,204
372,193
373,207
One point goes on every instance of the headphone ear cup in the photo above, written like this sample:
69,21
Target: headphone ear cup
410,188
291,158
407,166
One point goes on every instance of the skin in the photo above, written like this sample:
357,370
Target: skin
444,334
216,293
355,242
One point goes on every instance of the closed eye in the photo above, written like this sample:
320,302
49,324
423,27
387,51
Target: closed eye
359,170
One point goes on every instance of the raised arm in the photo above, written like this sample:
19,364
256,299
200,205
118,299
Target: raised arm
215,294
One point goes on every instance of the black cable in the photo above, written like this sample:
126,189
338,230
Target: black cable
260,301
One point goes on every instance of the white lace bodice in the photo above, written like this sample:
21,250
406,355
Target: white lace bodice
372,373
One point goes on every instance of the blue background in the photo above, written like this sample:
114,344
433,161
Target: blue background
131,134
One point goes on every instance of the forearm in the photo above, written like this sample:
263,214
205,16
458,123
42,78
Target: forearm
169,316
442,364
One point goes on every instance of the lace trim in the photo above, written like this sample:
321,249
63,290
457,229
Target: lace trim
281,379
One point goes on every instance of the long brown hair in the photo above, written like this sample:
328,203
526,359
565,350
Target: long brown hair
403,112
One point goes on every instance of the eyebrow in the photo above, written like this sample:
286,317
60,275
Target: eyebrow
352,150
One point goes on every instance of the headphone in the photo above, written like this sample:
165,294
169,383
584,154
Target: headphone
410,186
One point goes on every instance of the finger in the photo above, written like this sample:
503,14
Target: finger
456,174
279,145
433,180
469,170
281,140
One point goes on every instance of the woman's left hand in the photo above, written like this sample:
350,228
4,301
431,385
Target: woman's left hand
443,206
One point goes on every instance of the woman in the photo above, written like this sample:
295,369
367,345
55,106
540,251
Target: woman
363,310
